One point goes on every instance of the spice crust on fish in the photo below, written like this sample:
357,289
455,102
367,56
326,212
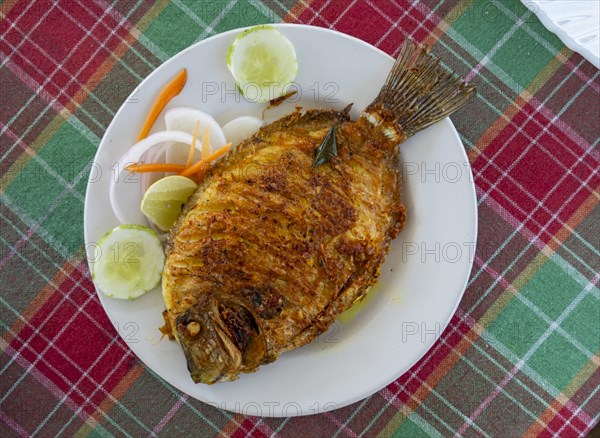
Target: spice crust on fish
271,248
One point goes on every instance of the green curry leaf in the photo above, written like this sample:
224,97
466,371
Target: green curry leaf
327,149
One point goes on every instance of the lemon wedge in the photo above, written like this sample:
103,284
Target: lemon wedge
164,199
263,63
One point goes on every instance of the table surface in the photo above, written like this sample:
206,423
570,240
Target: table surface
521,354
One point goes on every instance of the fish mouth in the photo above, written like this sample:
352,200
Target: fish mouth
220,338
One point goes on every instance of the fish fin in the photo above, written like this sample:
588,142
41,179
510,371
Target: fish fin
417,93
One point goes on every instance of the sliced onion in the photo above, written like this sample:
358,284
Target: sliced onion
125,194
241,128
177,153
154,155
184,119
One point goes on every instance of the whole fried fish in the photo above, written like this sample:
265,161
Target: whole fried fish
271,249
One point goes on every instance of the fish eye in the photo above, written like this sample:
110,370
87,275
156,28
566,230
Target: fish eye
193,328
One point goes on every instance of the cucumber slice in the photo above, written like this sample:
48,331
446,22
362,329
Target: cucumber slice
128,262
263,62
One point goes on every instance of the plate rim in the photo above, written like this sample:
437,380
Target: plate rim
359,396
565,36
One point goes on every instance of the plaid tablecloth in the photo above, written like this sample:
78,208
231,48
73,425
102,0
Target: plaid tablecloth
521,355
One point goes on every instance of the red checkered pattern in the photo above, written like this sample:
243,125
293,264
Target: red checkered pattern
536,170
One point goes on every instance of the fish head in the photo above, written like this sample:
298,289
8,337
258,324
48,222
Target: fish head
220,337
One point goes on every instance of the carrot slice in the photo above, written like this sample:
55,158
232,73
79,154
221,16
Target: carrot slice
196,170
155,167
205,143
200,164
193,145
200,174
172,89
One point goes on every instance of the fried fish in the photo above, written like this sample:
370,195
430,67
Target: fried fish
271,248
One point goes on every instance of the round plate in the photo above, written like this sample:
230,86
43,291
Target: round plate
422,280
575,22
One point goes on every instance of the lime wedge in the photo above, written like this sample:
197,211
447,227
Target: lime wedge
263,63
164,199
128,262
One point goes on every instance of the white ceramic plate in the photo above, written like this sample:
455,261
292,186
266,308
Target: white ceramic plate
422,280
575,22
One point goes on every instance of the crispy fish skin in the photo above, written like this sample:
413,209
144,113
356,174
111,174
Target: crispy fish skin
269,250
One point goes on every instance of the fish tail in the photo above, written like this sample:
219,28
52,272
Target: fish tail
417,93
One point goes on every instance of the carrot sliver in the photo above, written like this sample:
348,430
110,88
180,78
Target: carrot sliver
172,89
155,167
200,174
204,161
190,158
205,143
